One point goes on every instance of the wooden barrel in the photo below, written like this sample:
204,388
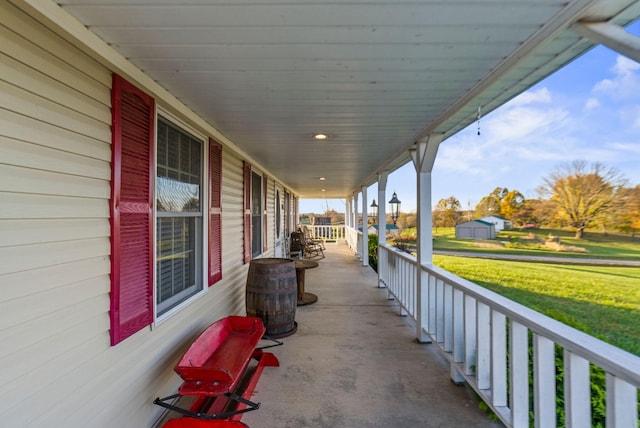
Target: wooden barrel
272,295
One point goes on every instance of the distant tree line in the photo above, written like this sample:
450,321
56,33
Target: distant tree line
577,195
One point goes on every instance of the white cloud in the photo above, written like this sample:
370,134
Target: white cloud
516,124
592,103
542,95
524,131
635,122
625,66
626,148
625,83
522,141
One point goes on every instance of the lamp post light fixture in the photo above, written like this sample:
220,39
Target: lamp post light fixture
395,208
374,207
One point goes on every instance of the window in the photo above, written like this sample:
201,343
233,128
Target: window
167,165
253,213
256,215
246,220
179,216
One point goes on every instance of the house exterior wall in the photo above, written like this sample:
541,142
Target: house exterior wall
58,368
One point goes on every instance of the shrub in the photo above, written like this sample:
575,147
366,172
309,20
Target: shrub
373,252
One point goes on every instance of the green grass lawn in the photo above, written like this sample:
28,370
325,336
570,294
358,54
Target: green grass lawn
601,301
532,242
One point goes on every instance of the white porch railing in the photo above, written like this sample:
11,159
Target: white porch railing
328,232
486,337
354,238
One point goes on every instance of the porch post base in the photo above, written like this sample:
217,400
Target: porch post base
456,377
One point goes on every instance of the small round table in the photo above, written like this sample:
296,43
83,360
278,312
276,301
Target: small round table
303,297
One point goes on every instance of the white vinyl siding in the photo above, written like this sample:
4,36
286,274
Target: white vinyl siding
55,154
54,219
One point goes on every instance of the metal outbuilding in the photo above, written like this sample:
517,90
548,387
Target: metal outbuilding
476,229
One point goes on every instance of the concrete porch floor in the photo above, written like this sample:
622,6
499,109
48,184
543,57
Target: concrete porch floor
354,362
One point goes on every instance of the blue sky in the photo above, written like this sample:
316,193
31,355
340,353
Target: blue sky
589,110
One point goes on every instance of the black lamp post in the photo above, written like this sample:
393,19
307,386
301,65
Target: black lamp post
395,207
374,207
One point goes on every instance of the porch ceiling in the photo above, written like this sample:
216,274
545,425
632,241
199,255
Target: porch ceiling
375,75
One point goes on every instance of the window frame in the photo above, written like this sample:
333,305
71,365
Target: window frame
133,211
202,229
257,220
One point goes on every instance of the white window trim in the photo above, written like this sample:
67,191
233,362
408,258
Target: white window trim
262,213
159,319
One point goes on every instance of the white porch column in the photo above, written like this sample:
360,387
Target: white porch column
382,226
365,231
348,221
355,224
423,156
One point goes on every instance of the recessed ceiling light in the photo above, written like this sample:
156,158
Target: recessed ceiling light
324,190
320,136
323,178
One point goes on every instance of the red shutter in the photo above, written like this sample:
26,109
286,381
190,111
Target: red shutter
215,212
132,178
265,235
246,168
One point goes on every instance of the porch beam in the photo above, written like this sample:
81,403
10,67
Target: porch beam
612,36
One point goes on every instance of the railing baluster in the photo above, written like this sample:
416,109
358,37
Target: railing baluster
403,288
458,326
577,391
483,360
470,344
432,304
622,407
499,360
468,323
544,382
448,318
519,370
439,310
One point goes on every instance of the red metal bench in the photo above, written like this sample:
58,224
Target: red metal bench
213,369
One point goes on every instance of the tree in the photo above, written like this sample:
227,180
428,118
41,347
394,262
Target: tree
511,202
527,214
447,212
406,220
490,204
581,192
336,217
627,218
502,202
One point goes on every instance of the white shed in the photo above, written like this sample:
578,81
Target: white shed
499,222
391,229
